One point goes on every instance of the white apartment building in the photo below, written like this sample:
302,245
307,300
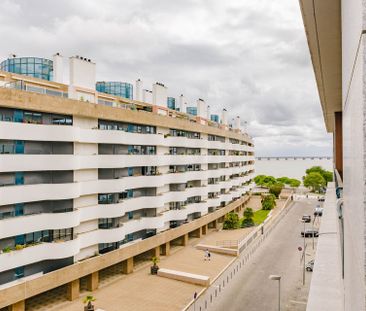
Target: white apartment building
90,179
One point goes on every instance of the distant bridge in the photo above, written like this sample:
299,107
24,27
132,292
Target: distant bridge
293,158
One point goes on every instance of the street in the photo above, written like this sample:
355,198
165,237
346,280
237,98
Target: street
251,290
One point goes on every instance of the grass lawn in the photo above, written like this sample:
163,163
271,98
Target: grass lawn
260,216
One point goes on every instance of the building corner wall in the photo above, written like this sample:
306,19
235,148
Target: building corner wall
354,155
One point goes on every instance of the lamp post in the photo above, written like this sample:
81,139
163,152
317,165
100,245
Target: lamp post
274,277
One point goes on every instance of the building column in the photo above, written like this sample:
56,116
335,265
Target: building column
204,229
73,290
215,224
198,232
18,306
92,281
127,266
166,249
157,252
185,239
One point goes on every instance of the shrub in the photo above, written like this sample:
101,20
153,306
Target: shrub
268,202
7,249
231,221
248,218
19,247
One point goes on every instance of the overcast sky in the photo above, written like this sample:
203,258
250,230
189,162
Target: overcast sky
249,56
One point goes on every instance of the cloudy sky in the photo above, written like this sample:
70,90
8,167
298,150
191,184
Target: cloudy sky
250,56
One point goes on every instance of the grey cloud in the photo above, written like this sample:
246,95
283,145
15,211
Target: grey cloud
250,57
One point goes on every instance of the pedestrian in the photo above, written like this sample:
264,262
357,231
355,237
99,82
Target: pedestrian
209,256
206,255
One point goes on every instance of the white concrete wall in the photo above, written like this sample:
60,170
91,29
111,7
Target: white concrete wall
353,84
354,189
82,73
160,95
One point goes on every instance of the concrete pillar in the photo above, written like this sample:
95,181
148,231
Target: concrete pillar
199,232
204,229
92,281
18,306
185,239
157,251
127,266
166,249
73,290
215,223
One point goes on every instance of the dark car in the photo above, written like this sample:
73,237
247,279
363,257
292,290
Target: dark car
310,232
310,266
306,218
318,211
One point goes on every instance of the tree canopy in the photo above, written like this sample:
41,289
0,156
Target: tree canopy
327,175
315,181
276,189
265,181
269,181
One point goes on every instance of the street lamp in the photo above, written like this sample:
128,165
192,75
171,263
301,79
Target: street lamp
274,277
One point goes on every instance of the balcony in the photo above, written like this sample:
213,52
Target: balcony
326,288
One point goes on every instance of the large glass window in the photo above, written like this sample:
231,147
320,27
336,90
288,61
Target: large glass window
30,66
121,89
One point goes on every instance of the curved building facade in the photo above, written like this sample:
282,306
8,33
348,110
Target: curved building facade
105,183
121,89
36,67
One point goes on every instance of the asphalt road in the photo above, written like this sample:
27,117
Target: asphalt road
251,290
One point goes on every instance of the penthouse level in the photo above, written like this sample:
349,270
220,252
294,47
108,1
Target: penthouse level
85,185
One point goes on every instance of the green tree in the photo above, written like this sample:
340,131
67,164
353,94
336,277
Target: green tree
248,218
294,183
264,181
284,180
259,180
268,202
231,221
276,189
315,181
327,175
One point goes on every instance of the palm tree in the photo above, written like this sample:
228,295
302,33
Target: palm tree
88,300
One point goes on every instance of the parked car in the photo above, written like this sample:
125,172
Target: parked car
306,218
310,232
318,211
310,266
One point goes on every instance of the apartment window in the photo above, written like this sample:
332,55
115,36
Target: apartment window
106,198
19,272
61,120
32,117
63,234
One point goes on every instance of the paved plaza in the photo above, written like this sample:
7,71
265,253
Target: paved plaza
142,291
